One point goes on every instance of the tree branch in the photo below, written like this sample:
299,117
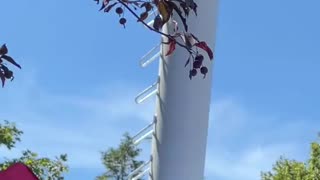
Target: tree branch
152,29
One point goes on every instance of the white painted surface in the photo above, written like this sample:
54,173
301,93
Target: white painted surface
183,106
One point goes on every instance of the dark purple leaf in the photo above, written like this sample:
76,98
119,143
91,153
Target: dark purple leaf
10,59
3,49
194,8
108,8
7,73
104,4
190,74
188,61
185,8
147,5
157,22
143,16
172,47
179,12
2,77
203,45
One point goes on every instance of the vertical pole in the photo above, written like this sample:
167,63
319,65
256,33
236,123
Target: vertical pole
179,144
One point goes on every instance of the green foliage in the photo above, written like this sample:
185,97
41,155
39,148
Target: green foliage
314,162
121,161
163,12
9,134
43,168
285,169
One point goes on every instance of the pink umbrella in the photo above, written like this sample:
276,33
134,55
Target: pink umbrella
18,171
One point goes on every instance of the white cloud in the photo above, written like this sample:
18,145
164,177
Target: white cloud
76,125
242,144
248,163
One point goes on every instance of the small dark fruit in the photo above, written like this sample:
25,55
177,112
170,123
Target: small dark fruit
148,7
123,21
199,57
8,74
204,71
197,64
119,10
193,72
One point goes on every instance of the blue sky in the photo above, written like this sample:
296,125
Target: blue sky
80,76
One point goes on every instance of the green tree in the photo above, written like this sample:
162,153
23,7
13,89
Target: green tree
9,134
120,161
43,168
285,169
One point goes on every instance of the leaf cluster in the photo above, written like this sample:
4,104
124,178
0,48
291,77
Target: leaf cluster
120,161
5,72
44,168
285,169
163,11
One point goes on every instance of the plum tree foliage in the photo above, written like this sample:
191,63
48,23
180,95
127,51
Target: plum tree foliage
163,11
5,72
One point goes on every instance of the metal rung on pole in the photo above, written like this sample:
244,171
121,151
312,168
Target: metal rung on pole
155,51
145,128
149,61
150,15
145,95
141,174
143,137
150,23
138,169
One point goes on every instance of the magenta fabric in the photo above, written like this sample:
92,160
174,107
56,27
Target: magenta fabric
18,171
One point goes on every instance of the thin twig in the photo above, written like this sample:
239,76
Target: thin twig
152,29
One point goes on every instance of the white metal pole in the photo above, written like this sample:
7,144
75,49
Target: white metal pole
179,145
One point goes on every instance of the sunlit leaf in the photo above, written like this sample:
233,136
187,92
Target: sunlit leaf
163,10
